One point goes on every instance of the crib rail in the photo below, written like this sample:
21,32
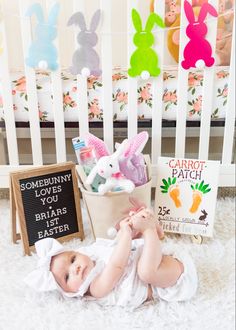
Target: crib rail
155,126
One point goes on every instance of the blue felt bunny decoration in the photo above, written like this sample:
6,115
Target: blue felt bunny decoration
42,52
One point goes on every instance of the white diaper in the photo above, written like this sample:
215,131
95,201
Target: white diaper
186,286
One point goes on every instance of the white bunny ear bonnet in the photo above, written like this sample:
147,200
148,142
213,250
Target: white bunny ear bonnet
42,280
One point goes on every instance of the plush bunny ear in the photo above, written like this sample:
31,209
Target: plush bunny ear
91,175
78,19
37,10
136,20
189,12
136,144
205,9
95,20
154,19
98,144
120,150
53,14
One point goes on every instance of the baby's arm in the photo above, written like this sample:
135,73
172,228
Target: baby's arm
106,281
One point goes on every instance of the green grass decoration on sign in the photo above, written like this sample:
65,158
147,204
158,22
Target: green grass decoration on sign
201,187
167,184
144,60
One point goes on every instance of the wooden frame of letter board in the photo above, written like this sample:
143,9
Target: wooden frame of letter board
16,202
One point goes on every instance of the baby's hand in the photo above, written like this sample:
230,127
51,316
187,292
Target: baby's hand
125,225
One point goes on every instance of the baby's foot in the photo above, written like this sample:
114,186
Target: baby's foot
147,214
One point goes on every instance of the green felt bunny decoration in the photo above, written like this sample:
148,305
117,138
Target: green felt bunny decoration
144,60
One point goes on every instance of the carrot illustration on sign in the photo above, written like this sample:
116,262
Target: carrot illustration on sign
198,191
174,191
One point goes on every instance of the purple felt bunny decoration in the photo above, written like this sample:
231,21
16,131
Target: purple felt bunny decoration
85,60
197,52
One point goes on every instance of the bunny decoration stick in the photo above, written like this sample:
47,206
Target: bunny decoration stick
42,52
144,60
85,60
198,52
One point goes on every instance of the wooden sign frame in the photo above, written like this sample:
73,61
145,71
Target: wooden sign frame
17,207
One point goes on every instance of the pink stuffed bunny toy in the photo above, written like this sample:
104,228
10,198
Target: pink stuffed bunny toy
108,168
197,52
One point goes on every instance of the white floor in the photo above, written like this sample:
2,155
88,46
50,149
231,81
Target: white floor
212,308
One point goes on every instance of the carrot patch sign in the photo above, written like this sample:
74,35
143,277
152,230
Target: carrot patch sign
186,194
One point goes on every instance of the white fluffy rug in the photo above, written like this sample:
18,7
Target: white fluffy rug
212,308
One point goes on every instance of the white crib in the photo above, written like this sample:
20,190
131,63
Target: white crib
11,134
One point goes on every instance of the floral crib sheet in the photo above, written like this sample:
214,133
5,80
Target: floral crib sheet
120,96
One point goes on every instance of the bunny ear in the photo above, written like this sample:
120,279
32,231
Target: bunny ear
136,144
78,19
136,20
206,8
121,148
154,19
189,12
52,17
37,10
95,20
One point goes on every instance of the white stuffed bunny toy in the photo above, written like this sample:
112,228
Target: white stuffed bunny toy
108,168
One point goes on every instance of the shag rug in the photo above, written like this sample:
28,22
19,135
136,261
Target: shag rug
212,307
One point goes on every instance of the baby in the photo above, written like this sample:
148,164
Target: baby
122,272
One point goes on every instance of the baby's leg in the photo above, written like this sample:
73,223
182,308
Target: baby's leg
167,273
153,267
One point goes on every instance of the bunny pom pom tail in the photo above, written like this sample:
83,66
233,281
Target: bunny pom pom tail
77,19
52,17
37,10
136,20
152,19
111,232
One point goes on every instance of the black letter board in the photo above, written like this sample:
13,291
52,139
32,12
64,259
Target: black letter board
47,202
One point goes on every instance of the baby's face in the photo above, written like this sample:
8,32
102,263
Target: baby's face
70,269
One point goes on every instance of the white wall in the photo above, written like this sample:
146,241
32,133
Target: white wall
66,36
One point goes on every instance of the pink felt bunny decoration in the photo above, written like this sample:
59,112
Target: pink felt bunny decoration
197,52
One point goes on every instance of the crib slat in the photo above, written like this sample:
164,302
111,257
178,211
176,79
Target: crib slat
182,94
132,82
7,101
159,8
31,87
82,97
207,97
57,103
106,62
230,109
